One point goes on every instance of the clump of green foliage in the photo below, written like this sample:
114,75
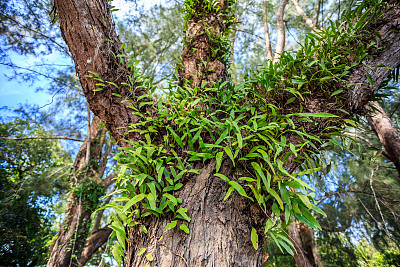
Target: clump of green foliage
260,127
31,173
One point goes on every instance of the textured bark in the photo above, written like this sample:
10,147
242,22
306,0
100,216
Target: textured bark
201,66
280,25
388,27
88,30
300,255
308,238
93,243
76,225
219,231
306,253
268,45
386,132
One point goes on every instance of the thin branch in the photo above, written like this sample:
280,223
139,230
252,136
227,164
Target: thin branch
280,45
268,45
248,32
355,135
88,136
376,201
30,70
301,12
337,229
316,18
38,32
109,179
42,137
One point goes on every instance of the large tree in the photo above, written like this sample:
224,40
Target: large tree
220,230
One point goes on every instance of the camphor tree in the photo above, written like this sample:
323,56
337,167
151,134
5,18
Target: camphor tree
216,158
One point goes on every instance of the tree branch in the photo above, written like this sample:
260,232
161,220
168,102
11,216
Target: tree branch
388,28
386,132
94,242
280,44
355,135
42,137
268,45
306,19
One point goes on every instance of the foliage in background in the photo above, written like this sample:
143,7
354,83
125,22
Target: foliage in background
32,173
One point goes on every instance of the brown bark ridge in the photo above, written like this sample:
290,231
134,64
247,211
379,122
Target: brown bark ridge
386,132
300,254
202,61
388,58
93,243
75,228
88,30
219,230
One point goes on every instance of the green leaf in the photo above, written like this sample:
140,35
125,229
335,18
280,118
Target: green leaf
370,80
287,213
276,209
230,190
184,228
305,200
286,247
149,257
133,201
144,229
170,225
320,115
260,173
176,137
182,212
172,198
141,251
178,186
254,238
223,177
239,189
228,151
318,210
290,100
239,139
276,196
268,225
219,160
336,92
116,254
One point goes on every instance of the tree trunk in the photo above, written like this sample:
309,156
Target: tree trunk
219,230
306,254
386,132
75,228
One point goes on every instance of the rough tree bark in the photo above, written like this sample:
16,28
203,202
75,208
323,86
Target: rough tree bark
219,231
71,239
386,132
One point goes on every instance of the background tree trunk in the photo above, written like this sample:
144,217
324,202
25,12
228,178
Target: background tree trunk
75,229
386,132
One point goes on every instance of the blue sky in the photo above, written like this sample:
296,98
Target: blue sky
15,92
